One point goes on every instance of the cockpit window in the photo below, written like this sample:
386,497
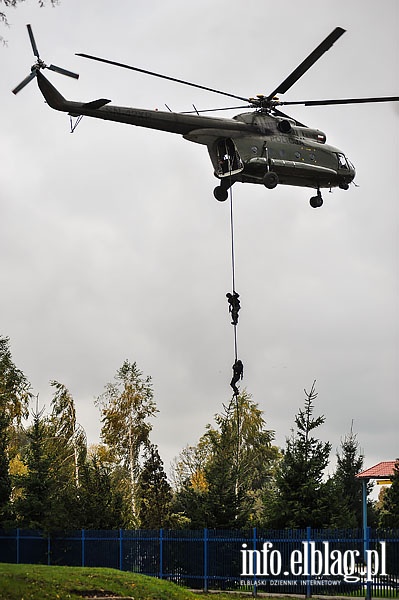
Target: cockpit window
342,162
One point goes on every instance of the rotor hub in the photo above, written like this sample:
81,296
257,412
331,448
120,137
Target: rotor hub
39,64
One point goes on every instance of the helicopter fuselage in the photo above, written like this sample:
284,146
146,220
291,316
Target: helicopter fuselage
297,154
245,148
264,146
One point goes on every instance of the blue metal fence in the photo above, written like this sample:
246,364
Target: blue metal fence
309,561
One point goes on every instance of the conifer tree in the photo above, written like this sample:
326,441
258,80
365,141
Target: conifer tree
154,493
346,487
301,497
34,507
100,502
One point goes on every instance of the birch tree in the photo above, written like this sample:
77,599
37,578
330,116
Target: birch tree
127,405
15,390
220,481
67,428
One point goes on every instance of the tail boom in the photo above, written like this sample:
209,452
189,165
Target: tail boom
171,122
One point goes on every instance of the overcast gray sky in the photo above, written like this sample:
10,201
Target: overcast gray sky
112,246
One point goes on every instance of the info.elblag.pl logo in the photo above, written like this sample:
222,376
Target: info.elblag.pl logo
309,561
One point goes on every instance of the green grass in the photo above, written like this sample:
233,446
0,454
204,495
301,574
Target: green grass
40,582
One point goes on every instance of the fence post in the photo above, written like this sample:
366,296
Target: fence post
254,563
366,548
83,547
120,550
205,560
161,553
17,545
48,550
308,585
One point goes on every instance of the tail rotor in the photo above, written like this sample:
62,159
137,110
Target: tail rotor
40,64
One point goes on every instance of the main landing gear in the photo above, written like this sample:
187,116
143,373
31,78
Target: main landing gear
316,201
270,180
220,192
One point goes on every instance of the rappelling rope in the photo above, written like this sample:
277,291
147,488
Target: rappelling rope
235,396
233,266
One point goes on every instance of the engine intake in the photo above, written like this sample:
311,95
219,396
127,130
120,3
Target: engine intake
284,126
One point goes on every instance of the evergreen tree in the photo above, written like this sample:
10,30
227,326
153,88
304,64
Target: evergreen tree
34,506
100,503
154,493
45,488
224,494
389,511
126,407
346,487
301,497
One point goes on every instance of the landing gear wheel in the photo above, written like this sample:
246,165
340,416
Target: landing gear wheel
316,201
270,180
220,193
344,186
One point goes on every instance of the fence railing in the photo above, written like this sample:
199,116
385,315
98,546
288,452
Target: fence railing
309,561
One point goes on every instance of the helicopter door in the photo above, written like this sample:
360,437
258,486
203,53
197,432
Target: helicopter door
229,160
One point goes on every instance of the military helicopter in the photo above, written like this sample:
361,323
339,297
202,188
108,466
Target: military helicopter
264,146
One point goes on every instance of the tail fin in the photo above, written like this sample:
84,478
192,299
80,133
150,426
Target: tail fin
96,103
50,93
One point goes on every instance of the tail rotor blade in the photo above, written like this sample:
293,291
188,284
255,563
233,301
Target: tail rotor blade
25,82
63,71
40,65
32,41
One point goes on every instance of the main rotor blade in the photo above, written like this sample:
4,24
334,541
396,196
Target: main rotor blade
190,112
63,71
32,41
25,82
124,66
308,62
342,101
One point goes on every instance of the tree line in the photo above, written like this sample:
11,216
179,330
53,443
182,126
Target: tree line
234,477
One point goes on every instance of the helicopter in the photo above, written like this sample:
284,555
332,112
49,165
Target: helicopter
264,146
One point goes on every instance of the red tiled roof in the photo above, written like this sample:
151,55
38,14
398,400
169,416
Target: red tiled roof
380,471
